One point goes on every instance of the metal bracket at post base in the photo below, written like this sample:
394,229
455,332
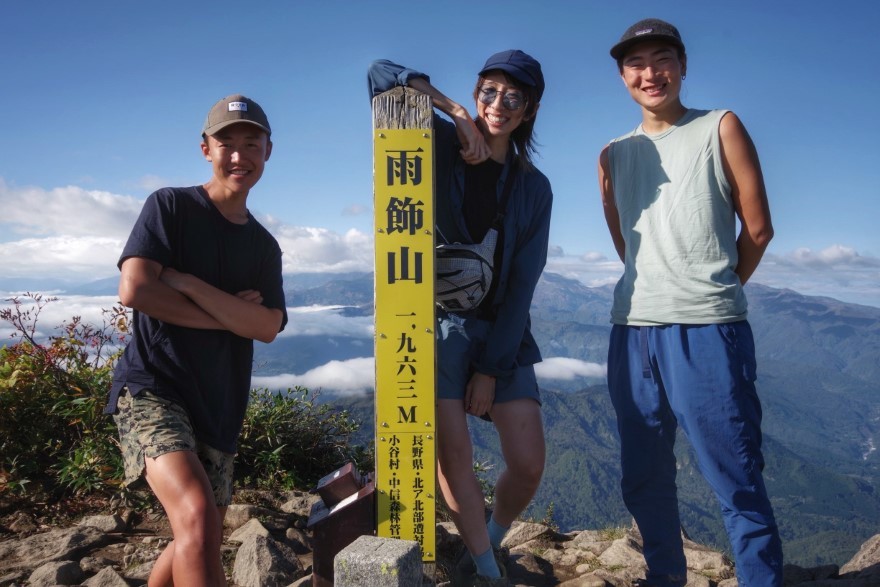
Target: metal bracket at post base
335,527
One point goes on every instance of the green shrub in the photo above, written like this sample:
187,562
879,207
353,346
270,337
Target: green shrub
52,431
291,440
55,438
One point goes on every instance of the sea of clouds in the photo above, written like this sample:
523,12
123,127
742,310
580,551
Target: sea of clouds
54,241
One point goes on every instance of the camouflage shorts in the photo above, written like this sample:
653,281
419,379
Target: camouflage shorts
150,426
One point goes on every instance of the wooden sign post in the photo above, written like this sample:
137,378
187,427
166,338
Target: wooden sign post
403,176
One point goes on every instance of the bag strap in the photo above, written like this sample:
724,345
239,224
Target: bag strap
498,221
505,196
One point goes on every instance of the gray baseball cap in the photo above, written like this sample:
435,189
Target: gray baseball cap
234,109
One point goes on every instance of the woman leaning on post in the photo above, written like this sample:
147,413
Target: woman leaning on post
485,177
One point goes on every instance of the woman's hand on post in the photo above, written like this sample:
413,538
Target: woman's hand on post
473,145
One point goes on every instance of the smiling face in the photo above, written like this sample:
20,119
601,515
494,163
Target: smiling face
652,72
238,155
495,119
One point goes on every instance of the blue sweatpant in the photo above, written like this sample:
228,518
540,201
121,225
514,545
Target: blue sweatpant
703,378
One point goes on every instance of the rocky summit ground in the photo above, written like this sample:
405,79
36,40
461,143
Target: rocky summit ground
97,543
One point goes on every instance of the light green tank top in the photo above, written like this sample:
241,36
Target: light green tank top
679,225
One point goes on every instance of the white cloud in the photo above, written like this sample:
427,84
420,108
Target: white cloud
64,257
313,250
69,211
591,269
351,376
54,313
358,375
833,257
566,369
836,271
69,232
326,320
72,233
594,257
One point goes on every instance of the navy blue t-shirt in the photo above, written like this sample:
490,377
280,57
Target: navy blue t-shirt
208,372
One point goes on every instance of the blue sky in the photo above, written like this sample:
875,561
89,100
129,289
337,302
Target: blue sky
104,102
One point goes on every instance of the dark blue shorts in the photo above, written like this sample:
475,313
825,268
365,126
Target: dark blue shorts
460,341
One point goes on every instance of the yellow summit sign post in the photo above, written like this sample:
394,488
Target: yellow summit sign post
405,440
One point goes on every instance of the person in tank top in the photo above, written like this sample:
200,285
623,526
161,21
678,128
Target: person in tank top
681,350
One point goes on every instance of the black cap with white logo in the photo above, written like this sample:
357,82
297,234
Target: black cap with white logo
649,29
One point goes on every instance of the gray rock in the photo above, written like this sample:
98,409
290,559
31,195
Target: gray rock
448,537
253,527
107,577
592,540
56,573
298,540
588,537
563,557
590,580
378,562
695,580
700,558
539,557
237,515
262,561
140,572
299,503
91,564
522,532
112,523
55,545
584,581
623,552
867,556
618,578
532,570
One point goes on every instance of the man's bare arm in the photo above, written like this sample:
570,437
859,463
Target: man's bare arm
235,312
743,171
141,288
612,218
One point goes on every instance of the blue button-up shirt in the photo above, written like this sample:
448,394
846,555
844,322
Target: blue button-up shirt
526,232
